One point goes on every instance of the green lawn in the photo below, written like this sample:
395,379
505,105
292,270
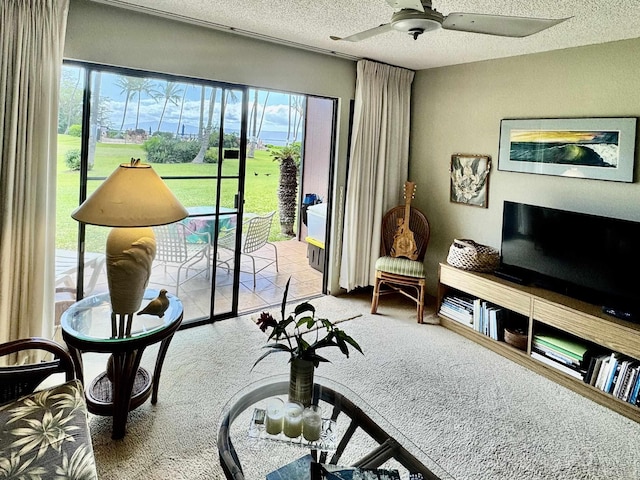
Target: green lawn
261,187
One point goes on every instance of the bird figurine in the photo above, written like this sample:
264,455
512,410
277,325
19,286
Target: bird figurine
157,306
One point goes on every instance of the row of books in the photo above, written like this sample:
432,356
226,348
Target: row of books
478,314
560,352
488,319
458,307
615,374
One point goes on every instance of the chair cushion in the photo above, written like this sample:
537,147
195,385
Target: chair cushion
401,266
46,435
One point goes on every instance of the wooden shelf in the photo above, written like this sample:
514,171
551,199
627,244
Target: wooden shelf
542,307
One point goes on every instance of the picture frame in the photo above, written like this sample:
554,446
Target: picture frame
469,177
593,148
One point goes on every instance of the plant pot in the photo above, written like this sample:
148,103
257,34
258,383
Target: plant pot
301,381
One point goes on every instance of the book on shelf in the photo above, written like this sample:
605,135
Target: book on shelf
595,364
604,372
557,365
454,314
557,356
565,346
457,308
614,370
633,398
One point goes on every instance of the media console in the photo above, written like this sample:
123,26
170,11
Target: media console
542,310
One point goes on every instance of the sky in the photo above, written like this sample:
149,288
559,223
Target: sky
275,121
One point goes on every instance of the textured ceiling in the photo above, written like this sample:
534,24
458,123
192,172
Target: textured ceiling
309,24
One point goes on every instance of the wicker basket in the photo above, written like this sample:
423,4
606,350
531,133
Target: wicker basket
515,338
469,255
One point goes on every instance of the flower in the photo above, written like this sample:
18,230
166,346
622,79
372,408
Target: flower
296,345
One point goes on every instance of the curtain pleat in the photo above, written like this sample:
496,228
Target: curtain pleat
31,49
378,167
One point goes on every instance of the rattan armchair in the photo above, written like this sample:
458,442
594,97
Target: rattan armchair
398,274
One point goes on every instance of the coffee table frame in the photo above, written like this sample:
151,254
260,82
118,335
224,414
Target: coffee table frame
338,396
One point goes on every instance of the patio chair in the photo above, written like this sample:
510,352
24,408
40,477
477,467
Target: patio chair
173,249
255,235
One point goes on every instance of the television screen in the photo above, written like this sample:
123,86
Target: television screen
589,257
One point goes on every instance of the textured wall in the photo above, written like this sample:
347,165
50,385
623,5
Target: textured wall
458,110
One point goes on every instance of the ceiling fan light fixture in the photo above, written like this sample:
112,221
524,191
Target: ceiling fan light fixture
410,21
416,32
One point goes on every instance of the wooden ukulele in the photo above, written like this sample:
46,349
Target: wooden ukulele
404,243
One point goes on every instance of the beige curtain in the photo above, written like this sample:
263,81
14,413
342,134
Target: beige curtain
31,48
378,167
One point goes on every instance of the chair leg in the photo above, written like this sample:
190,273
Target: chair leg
254,271
376,295
276,254
421,302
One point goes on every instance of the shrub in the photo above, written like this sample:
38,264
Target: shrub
185,151
159,149
75,130
72,159
211,156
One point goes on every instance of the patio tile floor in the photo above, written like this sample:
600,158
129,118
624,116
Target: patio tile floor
195,293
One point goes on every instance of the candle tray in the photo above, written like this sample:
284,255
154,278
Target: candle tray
327,442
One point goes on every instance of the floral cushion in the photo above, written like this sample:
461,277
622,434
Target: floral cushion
45,435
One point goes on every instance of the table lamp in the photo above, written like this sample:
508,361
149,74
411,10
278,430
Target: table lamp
132,200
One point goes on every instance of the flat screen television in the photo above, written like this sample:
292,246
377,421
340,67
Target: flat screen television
592,258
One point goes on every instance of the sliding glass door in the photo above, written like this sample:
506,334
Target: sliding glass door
192,133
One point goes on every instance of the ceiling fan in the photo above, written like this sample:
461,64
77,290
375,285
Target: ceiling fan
416,17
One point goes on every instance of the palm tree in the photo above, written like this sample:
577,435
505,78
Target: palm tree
184,94
257,127
254,121
206,131
126,85
170,92
142,85
289,158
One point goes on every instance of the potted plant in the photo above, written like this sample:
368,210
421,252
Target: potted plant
288,337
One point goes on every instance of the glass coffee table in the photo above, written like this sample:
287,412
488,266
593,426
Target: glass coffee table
353,434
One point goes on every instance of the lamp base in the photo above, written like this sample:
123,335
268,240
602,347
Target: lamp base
130,254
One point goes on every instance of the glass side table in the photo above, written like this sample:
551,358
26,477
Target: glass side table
360,436
124,386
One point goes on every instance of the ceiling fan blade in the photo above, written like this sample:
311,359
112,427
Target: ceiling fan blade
403,4
500,25
366,34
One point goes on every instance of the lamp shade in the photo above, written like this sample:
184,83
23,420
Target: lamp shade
134,195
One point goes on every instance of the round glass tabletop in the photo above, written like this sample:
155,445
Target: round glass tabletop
90,319
355,434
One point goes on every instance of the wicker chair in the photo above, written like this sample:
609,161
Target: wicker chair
400,274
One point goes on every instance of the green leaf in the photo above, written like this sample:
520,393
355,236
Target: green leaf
326,323
304,307
342,335
284,298
266,355
309,321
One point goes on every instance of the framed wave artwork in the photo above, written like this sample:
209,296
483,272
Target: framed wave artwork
596,148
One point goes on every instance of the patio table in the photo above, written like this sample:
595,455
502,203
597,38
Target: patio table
202,219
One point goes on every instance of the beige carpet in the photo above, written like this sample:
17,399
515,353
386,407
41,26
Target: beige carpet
477,414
